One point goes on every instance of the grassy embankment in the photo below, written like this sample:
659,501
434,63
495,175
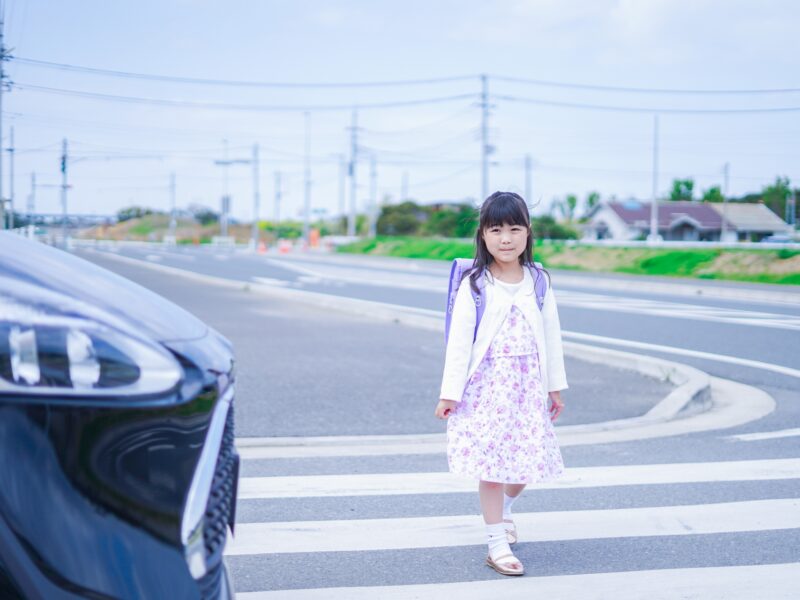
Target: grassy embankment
153,228
746,264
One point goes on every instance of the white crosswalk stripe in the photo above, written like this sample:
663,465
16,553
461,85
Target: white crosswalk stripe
431,532
442,483
333,537
709,583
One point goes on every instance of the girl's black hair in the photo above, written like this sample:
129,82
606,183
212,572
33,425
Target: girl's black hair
501,208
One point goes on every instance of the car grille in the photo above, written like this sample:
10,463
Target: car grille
221,501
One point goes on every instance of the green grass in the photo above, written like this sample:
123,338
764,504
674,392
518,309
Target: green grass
410,247
700,263
680,263
142,229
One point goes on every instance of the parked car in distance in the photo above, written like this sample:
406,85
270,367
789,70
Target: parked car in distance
118,472
778,238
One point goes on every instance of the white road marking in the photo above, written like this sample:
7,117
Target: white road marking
705,583
678,310
389,484
765,435
735,360
270,281
359,535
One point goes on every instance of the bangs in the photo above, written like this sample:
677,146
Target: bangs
505,209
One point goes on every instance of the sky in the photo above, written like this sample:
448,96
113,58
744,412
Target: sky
549,64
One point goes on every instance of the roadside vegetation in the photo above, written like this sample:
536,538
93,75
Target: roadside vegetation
754,265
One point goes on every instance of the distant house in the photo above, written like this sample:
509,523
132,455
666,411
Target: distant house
630,220
751,221
682,221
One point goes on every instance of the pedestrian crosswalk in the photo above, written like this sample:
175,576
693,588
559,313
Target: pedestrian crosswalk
710,583
338,554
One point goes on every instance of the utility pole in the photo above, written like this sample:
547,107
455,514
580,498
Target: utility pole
226,200
654,237
64,186
277,200
351,220
173,223
256,197
528,186
404,187
373,194
484,137
307,188
11,180
3,58
726,172
32,199
342,184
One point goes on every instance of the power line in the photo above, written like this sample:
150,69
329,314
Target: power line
413,130
239,83
638,90
648,110
442,178
390,83
245,107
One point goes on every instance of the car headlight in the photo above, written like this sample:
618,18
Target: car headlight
58,355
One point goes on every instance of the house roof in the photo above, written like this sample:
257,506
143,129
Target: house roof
670,214
746,216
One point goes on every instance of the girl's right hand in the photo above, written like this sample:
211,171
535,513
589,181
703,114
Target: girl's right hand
444,408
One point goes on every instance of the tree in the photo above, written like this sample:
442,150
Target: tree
592,199
459,221
203,214
400,219
566,206
682,189
713,194
132,212
775,196
545,227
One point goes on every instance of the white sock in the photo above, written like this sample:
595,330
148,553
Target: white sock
496,536
508,501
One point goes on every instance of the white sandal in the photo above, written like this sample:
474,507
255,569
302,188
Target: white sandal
503,564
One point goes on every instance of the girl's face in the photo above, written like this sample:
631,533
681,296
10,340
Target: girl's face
505,242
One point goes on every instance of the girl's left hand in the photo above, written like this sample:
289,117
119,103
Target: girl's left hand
556,405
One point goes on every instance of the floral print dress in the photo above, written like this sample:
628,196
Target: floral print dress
501,430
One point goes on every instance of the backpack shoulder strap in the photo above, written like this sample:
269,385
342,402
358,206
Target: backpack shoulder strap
458,272
540,283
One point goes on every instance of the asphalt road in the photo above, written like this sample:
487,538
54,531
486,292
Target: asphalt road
304,371
700,515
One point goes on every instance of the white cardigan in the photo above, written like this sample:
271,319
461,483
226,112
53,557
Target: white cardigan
463,356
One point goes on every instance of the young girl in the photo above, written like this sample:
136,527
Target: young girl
495,387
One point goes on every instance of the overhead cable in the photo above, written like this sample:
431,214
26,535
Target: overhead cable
243,107
638,90
648,110
240,83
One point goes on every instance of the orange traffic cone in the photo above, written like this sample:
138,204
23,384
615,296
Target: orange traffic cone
262,247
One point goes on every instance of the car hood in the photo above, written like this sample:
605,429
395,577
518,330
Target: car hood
40,275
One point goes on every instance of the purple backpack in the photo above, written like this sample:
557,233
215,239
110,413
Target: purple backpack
458,272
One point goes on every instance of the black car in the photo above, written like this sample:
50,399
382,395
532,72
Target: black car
118,472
